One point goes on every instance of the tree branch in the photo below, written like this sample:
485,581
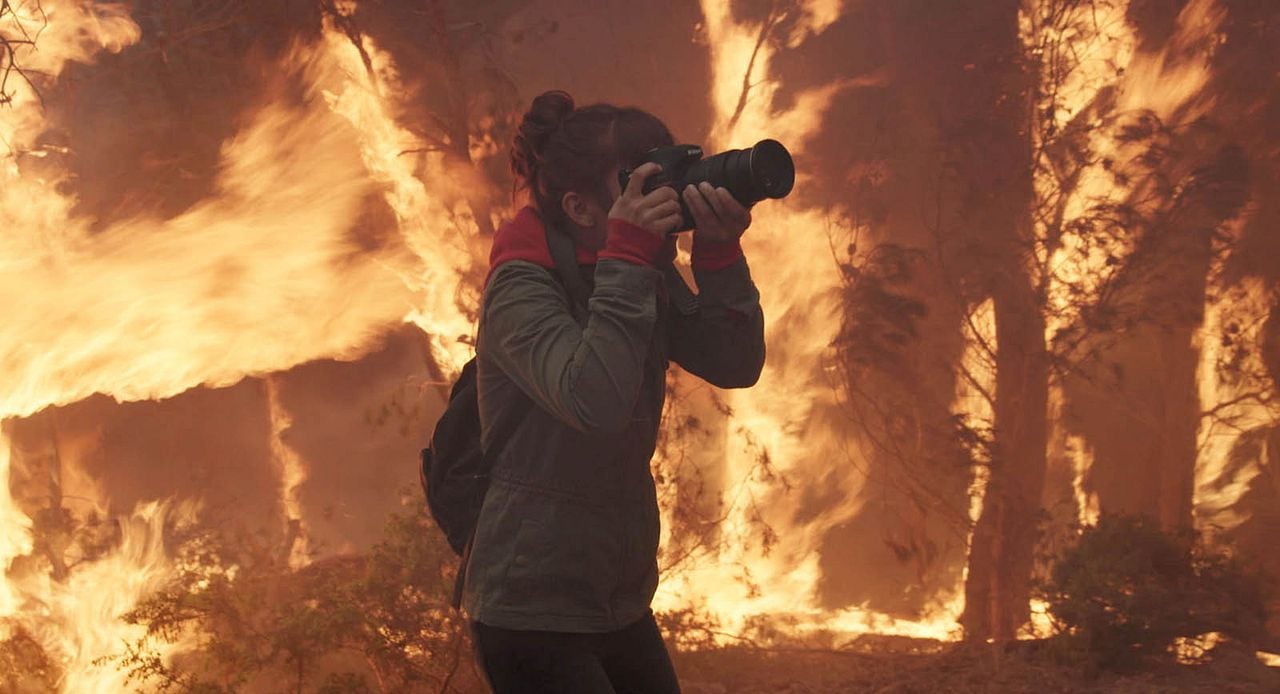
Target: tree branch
9,50
347,25
766,27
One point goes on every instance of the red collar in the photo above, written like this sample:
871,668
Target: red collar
525,238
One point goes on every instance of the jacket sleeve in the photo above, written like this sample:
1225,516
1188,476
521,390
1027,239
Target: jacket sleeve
589,377
722,342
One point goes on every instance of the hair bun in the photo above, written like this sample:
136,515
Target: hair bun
542,120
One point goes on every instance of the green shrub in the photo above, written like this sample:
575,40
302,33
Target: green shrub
1127,591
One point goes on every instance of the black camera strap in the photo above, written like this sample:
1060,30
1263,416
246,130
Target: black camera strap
566,259
681,296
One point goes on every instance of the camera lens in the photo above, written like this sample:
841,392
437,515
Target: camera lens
773,173
751,175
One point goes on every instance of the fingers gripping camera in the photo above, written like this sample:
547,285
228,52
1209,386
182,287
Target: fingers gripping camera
750,175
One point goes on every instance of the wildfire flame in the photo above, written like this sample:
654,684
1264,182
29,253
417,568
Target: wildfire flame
1216,496
80,621
789,415
292,472
1169,84
276,267
264,274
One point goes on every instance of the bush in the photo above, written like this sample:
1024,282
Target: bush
242,620
1127,591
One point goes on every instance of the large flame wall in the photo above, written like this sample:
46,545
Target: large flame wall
261,332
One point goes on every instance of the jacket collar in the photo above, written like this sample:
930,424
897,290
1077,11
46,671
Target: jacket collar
525,238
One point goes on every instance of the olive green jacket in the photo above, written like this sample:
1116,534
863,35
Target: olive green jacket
567,538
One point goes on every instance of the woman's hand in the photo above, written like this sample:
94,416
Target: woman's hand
717,215
658,212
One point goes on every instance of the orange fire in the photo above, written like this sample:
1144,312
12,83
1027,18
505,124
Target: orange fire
292,473
1215,497
265,274
1169,83
261,276
788,415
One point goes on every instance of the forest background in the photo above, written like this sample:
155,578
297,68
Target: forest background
1027,281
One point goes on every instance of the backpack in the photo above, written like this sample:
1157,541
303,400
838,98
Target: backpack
454,469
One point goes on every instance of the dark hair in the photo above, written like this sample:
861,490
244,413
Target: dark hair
560,148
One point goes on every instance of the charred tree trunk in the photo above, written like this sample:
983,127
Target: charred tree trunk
1144,405
1177,464
998,166
998,590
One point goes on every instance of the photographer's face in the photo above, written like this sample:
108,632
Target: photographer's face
590,213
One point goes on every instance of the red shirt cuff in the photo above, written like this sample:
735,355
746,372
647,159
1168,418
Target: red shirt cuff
715,255
629,242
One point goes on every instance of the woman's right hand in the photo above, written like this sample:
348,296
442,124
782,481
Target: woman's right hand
658,212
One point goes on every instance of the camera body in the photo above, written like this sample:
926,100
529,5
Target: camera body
750,175
675,162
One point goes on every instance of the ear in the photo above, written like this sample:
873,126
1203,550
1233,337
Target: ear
578,210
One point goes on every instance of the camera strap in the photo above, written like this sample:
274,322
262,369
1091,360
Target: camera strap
560,243
679,294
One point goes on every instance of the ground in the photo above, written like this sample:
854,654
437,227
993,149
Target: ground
924,668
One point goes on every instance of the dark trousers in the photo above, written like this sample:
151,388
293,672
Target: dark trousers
632,660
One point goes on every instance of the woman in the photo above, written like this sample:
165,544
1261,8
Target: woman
563,565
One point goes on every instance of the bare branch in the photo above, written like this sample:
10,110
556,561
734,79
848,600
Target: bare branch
766,28
9,46
347,25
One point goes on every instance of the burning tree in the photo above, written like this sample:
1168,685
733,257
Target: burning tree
234,220
1072,212
961,100
1128,193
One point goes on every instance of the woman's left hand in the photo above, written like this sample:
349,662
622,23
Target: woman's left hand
717,216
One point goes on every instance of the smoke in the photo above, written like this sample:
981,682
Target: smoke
240,245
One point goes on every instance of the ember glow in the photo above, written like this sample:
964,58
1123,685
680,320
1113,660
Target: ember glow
332,222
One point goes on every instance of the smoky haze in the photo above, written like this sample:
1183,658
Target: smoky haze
931,152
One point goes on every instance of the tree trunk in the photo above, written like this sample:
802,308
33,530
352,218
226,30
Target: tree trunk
998,590
1139,404
994,158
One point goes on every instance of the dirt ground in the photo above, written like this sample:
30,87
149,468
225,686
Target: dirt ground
953,668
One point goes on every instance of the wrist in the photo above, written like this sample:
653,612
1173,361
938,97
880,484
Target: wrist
714,255
631,243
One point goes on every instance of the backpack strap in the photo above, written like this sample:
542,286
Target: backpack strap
502,438
681,296
562,253
560,244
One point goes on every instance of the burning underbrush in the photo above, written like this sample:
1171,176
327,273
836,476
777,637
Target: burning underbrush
233,615
1026,280
1132,610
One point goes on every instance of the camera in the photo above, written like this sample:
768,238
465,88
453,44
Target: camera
750,175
